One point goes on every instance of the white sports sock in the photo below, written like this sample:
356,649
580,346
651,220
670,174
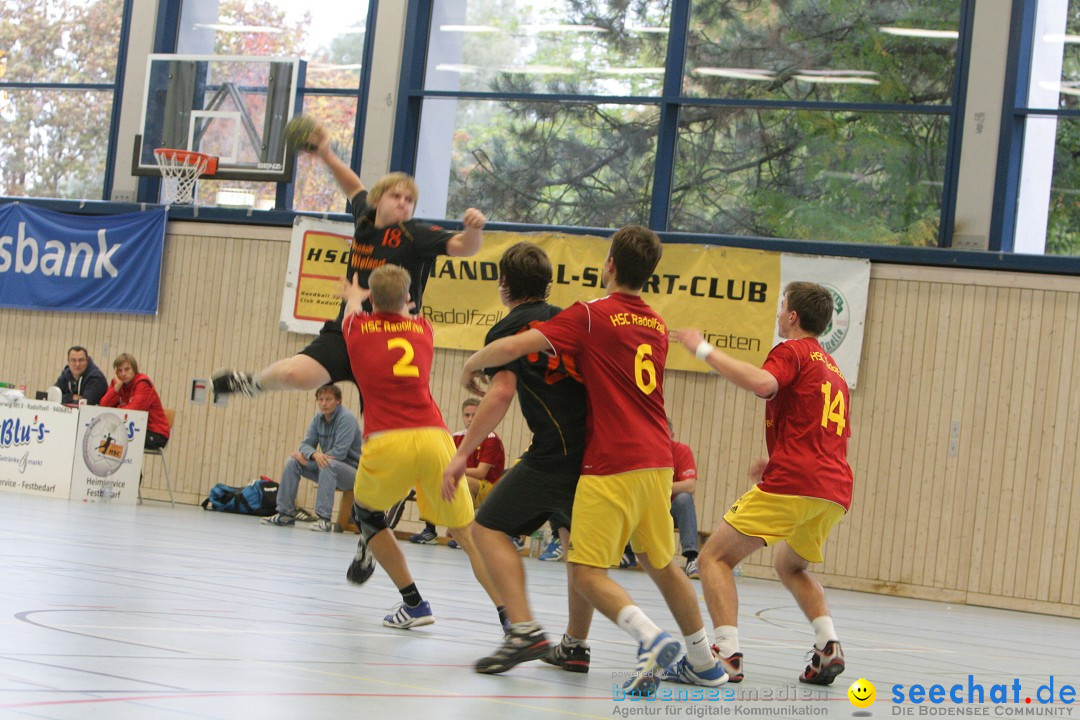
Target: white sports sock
823,631
698,652
727,640
638,625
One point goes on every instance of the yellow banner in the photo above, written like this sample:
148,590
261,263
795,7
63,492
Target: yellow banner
730,294
324,257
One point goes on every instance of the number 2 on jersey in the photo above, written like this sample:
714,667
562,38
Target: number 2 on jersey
403,367
832,410
644,370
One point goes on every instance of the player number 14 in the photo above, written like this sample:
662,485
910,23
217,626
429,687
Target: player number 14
832,410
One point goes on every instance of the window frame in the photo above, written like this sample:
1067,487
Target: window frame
412,95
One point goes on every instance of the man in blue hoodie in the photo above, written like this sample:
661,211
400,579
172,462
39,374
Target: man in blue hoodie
328,455
81,379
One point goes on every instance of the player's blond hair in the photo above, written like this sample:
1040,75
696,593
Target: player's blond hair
389,288
389,182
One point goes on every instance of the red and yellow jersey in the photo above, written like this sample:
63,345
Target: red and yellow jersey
490,451
391,359
619,345
685,465
807,424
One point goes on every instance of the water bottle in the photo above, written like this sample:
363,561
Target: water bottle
107,493
536,544
737,570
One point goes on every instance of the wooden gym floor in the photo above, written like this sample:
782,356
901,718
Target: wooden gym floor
150,612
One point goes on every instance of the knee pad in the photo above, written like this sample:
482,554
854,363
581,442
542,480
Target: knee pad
370,522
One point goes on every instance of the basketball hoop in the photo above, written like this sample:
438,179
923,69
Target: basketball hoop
181,170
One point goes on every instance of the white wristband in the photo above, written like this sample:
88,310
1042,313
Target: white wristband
704,350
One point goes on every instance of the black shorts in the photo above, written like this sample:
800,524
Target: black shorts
524,499
329,350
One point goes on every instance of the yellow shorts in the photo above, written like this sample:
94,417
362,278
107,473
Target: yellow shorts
611,509
804,522
483,489
394,462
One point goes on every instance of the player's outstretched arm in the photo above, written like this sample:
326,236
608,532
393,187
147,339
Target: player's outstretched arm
345,176
499,353
467,242
489,413
741,373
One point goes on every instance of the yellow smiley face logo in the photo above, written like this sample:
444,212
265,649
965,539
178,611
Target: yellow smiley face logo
862,693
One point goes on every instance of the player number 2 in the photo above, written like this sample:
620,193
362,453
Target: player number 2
644,370
403,367
832,410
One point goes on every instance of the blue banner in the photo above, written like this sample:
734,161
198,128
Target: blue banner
99,263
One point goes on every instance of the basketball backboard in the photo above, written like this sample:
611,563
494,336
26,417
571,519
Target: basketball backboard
231,107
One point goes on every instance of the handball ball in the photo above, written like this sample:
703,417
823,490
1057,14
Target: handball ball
298,132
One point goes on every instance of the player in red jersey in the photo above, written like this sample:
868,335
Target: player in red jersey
406,442
805,486
619,346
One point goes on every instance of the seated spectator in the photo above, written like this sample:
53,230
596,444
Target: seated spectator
682,502
482,470
131,390
328,455
81,379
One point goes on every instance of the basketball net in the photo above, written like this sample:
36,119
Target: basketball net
180,170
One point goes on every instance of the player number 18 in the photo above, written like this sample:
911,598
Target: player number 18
832,410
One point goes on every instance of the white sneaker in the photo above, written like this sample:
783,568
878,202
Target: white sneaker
321,525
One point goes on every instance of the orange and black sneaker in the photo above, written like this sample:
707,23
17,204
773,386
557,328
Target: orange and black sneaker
732,665
825,664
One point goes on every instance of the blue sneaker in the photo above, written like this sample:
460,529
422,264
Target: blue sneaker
554,551
713,676
519,542
426,536
453,545
405,617
658,656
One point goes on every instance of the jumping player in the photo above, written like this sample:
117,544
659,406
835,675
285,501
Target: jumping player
543,481
619,345
806,482
385,233
406,442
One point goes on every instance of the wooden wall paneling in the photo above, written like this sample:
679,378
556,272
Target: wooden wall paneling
1041,444
967,396
982,459
914,414
941,539
1009,396
889,512
927,431
1063,455
1069,539
1033,425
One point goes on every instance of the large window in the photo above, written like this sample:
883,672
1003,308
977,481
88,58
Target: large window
58,76
768,118
1047,207
330,37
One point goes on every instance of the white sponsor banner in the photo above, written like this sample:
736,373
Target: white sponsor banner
36,445
108,454
318,256
848,280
